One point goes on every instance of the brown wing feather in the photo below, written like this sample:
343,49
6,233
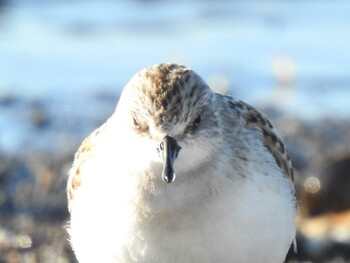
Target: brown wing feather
83,153
271,139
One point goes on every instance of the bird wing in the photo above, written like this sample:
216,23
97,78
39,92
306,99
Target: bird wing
271,138
84,152
272,141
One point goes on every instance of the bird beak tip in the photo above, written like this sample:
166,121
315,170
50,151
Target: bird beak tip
169,150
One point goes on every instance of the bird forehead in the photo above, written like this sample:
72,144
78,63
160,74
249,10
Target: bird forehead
167,89
164,87
174,105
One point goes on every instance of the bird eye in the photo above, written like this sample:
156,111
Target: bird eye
195,124
140,126
135,121
197,121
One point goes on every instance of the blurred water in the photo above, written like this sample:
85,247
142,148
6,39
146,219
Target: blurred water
294,55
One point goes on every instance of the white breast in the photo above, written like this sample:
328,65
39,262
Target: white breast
243,221
212,215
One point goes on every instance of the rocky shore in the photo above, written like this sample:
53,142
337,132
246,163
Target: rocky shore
34,166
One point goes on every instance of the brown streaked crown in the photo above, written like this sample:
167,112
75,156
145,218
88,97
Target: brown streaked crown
168,93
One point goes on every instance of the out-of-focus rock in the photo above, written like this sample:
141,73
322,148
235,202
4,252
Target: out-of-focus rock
35,184
38,114
324,238
8,100
329,190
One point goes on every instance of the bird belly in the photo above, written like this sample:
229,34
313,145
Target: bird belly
243,224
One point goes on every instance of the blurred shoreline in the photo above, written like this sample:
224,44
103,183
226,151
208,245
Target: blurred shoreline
33,180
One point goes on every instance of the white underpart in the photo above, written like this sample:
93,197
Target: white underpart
215,215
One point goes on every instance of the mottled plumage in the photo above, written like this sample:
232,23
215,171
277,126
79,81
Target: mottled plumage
233,196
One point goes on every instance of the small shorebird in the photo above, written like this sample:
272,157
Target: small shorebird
233,196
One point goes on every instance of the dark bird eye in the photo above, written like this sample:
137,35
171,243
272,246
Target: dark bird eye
197,121
135,122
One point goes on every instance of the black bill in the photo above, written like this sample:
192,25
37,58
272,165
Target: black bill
169,150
